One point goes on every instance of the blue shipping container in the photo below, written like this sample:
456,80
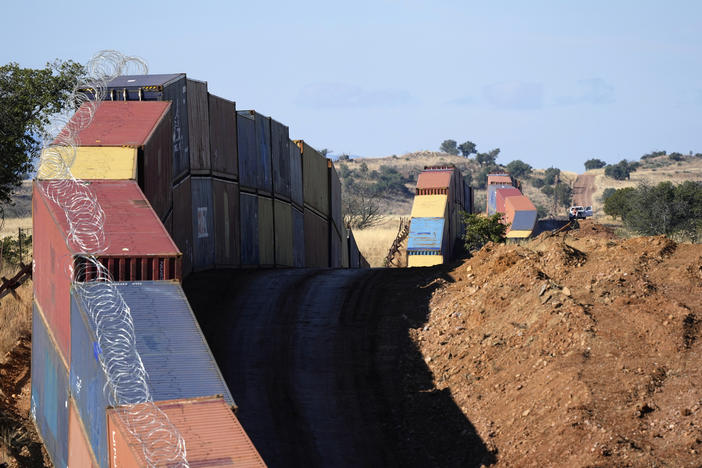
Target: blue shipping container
524,220
426,234
298,237
263,145
203,223
49,391
249,229
492,197
175,355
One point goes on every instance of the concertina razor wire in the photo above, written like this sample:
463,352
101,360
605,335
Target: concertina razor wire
127,385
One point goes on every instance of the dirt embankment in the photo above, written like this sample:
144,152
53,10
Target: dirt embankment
575,350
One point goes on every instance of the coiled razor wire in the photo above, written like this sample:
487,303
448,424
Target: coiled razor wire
127,383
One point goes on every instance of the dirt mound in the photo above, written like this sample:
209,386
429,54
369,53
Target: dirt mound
575,350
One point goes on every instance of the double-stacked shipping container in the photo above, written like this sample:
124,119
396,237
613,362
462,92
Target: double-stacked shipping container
504,196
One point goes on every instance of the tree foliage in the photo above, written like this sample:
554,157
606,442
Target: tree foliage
361,208
467,148
487,159
594,164
622,170
28,98
449,146
550,175
481,229
519,169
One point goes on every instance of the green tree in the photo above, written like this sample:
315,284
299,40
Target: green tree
481,229
467,148
563,194
617,203
608,192
487,159
676,156
594,164
550,175
519,169
537,182
620,171
28,99
324,152
449,146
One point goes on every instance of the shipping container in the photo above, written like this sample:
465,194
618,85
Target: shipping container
266,232
334,196
263,150
183,222
49,404
314,178
500,179
249,174
492,197
136,247
429,206
316,240
468,199
92,162
521,213
284,254
423,259
427,235
335,246
345,248
212,434
226,222
79,452
435,179
223,138
169,342
249,229
502,194
298,219
203,223
167,87
199,127
280,156
296,187
354,253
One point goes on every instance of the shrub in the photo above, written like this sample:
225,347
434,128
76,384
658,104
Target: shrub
481,229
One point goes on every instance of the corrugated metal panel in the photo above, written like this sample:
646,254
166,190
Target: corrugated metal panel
314,170
79,451
280,156
49,391
499,179
296,190
283,234
212,434
316,240
492,197
226,220
502,194
91,162
334,196
264,164
345,249
249,175
249,229
426,234
157,161
429,206
354,253
203,223
298,219
434,179
198,127
424,260
223,141
183,222
266,232
171,87
521,220
334,247
468,197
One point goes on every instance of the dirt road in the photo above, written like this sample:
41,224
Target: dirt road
583,188
323,370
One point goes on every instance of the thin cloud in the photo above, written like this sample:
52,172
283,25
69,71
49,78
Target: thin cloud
335,95
515,95
463,101
594,91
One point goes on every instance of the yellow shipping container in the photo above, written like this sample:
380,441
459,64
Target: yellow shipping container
424,260
429,206
90,162
518,234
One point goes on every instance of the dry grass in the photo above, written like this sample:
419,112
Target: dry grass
374,243
18,215
15,314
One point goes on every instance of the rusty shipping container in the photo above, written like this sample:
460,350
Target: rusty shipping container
226,223
137,247
283,219
249,229
298,219
203,223
266,232
316,240
183,222
169,342
49,404
224,158
280,157
296,190
334,196
213,435
145,126
165,87
314,179
79,451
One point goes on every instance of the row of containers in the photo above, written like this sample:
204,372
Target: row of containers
70,397
230,186
504,196
436,227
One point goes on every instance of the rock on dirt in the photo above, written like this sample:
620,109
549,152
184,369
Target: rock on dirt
605,372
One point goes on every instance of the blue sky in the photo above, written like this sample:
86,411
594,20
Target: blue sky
551,83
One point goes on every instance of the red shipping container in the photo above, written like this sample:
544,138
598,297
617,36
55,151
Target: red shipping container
79,451
435,180
138,248
499,179
144,125
502,194
213,435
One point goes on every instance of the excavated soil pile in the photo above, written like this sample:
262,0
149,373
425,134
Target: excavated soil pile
575,350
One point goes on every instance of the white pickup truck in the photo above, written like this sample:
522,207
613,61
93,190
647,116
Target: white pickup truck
579,212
